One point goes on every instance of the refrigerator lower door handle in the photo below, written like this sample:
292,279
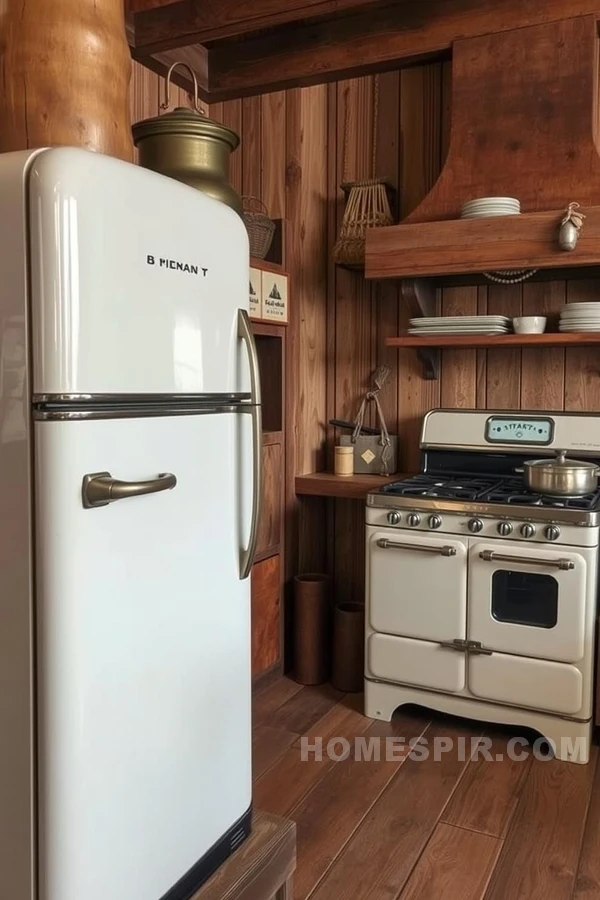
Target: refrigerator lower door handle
101,488
245,334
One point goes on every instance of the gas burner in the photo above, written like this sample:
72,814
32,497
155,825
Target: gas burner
454,488
513,492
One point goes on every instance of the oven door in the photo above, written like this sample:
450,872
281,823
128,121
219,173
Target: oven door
417,584
529,601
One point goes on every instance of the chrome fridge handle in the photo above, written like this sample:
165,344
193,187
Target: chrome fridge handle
100,488
491,556
245,334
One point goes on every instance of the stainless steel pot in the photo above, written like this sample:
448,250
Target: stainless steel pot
560,477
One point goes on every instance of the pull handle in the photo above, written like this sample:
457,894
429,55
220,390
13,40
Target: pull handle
245,334
421,548
491,556
100,488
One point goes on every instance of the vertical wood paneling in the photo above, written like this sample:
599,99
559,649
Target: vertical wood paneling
252,160
504,366
582,365
232,117
273,144
459,367
543,370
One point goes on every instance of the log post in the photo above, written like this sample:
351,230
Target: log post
64,75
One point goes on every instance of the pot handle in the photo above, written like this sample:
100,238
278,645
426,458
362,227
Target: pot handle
519,470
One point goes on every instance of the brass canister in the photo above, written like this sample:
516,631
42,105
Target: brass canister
188,146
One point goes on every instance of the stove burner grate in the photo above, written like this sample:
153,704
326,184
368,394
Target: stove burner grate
511,491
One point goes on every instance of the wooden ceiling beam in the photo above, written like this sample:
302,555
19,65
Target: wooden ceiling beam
196,21
381,38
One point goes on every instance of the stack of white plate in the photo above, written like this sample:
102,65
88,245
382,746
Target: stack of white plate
429,326
578,317
490,206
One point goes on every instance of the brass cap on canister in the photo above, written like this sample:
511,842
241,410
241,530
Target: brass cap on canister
187,145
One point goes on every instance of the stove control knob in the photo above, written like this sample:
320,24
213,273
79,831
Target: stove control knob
527,530
414,519
552,532
394,518
504,528
475,525
435,522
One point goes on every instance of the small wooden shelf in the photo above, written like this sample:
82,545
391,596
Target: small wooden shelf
465,246
488,341
350,487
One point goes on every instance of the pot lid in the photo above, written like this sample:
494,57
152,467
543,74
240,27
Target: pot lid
561,462
183,120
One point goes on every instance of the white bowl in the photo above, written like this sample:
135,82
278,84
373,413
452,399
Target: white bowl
529,324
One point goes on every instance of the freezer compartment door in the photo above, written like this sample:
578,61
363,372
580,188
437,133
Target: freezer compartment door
136,281
144,654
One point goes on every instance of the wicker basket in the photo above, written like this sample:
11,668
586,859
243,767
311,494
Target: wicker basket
259,226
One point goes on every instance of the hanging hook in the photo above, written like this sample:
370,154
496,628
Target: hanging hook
165,104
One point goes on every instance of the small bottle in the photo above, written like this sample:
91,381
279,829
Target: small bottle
344,461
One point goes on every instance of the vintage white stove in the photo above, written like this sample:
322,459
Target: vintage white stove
481,596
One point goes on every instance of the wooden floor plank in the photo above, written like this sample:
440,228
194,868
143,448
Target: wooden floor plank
377,862
587,885
487,795
328,816
300,712
455,865
540,855
266,700
268,744
291,778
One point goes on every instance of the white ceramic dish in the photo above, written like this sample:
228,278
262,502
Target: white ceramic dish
584,320
529,324
574,329
459,320
433,331
477,201
490,214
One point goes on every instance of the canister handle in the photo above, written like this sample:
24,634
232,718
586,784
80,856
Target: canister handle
166,103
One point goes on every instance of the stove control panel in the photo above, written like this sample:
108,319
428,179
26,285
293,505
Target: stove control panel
486,528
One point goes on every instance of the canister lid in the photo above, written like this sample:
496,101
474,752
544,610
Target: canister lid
186,122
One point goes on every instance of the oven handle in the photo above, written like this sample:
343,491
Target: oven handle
422,548
492,556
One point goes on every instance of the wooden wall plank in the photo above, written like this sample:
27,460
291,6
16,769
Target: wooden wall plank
232,117
503,381
582,365
273,153
543,370
252,147
459,367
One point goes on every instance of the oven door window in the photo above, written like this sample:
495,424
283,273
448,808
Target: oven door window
525,598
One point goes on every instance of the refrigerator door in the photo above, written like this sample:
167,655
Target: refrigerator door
136,281
143,629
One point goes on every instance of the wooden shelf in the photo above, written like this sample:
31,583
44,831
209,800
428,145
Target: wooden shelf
350,487
465,246
488,341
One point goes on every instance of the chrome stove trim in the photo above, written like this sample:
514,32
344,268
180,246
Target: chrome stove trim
546,514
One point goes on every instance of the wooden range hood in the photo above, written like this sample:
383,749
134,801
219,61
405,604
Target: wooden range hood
525,125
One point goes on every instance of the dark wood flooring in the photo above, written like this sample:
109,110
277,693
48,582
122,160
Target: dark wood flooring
459,828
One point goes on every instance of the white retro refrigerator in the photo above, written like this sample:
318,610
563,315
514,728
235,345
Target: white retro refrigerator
129,485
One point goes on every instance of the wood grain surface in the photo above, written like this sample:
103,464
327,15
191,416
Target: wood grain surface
266,612
451,826
65,70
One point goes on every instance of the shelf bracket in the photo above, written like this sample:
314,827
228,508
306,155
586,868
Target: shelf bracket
419,295
430,358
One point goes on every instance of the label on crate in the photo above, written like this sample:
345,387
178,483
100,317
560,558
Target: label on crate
275,297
